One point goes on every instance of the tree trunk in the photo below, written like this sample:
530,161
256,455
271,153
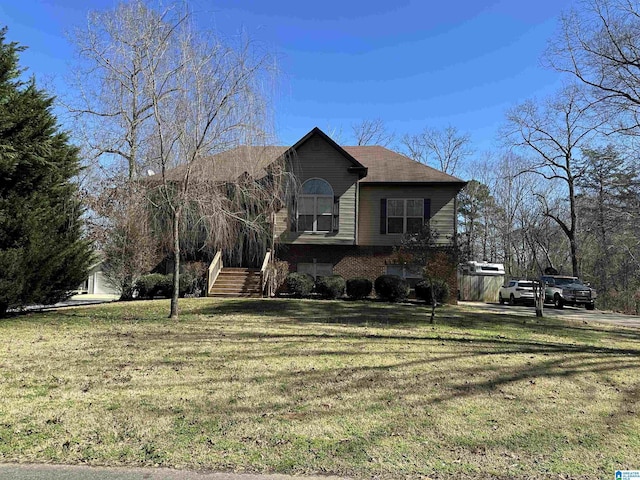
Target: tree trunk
573,242
470,239
176,264
432,320
603,262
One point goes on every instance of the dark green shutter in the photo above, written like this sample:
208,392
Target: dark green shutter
427,210
383,216
336,214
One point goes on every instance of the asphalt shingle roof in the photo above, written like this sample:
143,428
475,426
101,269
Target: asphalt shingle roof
387,166
384,165
228,166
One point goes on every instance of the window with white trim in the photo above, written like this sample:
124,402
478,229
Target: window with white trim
315,206
405,215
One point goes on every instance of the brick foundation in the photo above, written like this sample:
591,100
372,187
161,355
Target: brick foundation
350,261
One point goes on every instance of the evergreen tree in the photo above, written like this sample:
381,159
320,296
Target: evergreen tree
609,205
43,255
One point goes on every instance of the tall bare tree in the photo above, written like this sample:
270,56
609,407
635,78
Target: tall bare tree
111,107
206,99
511,189
599,44
175,96
554,131
444,149
475,202
111,101
486,171
372,132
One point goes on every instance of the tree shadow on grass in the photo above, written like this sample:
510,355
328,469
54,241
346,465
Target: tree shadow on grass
382,314
321,365
573,348
308,393
490,358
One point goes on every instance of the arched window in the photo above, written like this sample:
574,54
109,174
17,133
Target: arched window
315,206
316,186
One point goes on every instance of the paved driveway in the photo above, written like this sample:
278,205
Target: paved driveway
568,313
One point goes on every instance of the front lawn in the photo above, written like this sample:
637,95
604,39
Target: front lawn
347,388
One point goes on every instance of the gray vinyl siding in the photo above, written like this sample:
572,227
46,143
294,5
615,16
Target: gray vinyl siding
317,159
442,211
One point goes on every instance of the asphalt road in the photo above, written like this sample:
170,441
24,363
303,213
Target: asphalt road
63,472
569,313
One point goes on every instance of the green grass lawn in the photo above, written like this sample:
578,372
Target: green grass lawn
359,389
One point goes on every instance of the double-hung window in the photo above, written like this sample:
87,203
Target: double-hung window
405,215
315,206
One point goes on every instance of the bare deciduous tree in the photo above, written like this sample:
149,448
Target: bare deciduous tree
474,203
206,100
372,132
175,96
511,190
444,149
120,228
111,108
554,131
111,101
599,44
438,262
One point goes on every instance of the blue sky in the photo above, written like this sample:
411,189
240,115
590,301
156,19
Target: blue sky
412,63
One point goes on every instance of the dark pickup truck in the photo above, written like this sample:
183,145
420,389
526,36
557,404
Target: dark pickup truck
562,290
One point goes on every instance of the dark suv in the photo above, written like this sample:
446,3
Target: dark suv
562,290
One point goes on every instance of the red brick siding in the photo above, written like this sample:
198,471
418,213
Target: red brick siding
348,261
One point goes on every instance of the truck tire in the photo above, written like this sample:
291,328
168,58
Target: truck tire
590,306
558,302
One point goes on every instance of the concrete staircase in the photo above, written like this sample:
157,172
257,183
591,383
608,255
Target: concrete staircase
237,282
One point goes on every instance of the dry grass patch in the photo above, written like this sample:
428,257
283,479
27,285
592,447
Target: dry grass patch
350,388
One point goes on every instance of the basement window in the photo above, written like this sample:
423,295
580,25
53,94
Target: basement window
316,269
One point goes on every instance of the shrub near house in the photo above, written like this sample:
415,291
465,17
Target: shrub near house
441,287
330,287
159,285
391,288
299,285
359,288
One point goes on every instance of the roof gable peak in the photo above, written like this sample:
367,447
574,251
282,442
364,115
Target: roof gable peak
356,166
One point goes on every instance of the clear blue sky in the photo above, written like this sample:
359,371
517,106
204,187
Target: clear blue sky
411,63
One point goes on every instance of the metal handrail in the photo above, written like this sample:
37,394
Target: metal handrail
214,270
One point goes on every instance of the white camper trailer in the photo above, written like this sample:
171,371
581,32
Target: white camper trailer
480,281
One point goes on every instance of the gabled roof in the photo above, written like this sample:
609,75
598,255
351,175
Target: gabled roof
356,166
387,166
374,164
